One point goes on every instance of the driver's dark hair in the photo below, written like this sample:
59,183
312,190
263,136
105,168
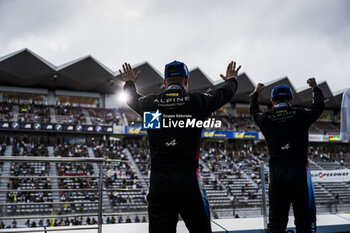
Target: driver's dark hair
279,99
175,79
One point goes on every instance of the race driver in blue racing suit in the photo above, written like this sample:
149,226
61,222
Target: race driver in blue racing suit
285,129
175,183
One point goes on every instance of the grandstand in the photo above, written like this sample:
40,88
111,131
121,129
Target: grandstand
63,115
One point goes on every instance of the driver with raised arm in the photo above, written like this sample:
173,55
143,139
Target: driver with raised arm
286,133
175,184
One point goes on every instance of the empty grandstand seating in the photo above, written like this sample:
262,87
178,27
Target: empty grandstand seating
125,189
325,128
234,123
83,200
16,187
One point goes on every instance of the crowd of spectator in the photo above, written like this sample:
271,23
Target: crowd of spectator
76,221
329,153
75,194
6,112
104,116
227,167
77,171
131,117
141,154
108,149
71,150
28,197
23,148
28,169
125,186
3,146
69,114
236,123
34,113
17,186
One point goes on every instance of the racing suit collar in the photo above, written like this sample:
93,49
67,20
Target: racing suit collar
282,105
175,86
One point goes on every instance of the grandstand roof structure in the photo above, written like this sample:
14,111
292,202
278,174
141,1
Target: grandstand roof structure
246,86
24,68
338,96
199,81
150,80
306,96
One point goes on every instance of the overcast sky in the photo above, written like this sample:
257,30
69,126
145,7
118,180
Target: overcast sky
269,38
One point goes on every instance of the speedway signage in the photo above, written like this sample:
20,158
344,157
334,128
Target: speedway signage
135,130
138,130
246,135
331,175
230,134
216,134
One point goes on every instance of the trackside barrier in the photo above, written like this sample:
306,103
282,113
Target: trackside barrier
100,189
264,199
100,162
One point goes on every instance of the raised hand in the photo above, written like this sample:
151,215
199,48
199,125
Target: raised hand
311,82
259,87
231,71
128,74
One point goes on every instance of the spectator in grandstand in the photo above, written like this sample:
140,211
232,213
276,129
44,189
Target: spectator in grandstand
14,223
88,221
286,132
27,223
175,151
33,224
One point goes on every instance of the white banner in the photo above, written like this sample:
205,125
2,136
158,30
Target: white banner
331,175
316,138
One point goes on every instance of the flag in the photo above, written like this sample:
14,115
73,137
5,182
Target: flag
52,219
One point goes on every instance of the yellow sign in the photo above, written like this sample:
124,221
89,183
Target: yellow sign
209,134
136,131
239,135
172,94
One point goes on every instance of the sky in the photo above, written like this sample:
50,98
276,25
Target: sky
270,39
